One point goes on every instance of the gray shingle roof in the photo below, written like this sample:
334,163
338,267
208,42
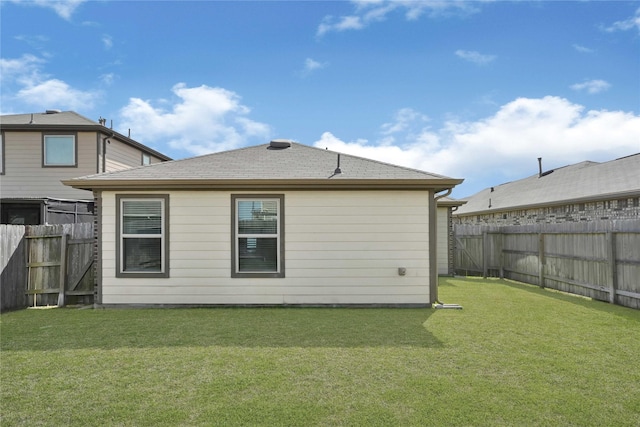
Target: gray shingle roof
54,118
298,164
580,182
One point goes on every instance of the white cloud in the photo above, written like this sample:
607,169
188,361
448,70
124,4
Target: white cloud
24,68
505,146
107,79
626,24
582,49
591,86
64,8
204,120
475,57
404,119
55,93
107,41
23,81
371,11
311,65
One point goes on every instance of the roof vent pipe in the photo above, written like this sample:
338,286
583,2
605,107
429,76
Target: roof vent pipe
539,167
337,171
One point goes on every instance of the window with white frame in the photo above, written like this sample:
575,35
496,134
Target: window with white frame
146,159
142,223
258,242
59,150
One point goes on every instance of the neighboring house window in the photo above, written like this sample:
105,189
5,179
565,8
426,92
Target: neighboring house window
143,235
59,150
146,159
258,235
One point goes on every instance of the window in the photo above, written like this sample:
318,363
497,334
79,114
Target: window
21,213
59,150
257,241
143,236
146,159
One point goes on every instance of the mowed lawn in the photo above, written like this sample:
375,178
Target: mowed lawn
515,355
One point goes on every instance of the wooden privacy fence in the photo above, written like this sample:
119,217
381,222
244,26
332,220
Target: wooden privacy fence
600,260
46,265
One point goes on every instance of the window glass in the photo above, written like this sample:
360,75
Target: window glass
258,217
142,255
59,150
258,254
146,160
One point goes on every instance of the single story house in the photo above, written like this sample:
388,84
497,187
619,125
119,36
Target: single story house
581,192
275,224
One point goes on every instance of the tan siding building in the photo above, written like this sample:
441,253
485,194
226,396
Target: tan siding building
40,150
341,248
218,229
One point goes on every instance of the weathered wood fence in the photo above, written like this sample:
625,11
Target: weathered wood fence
46,265
600,260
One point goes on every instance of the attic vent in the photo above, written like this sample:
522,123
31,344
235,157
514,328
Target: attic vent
279,144
53,111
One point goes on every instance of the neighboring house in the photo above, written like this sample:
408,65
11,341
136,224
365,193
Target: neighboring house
39,150
275,224
446,207
586,191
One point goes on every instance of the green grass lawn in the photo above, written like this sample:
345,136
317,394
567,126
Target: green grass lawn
515,355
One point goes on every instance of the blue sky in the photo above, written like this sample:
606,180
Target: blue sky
475,90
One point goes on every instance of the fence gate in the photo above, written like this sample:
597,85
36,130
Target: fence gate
468,254
59,270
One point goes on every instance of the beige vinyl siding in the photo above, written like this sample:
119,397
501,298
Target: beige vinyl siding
26,177
123,156
443,241
340,248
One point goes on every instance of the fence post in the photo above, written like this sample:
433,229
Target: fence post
501,255
541,260
63,269
613,268
485,254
